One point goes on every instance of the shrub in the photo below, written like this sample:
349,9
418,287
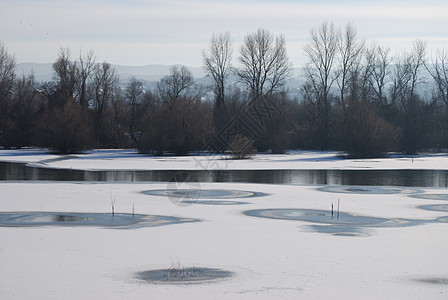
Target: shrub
241,147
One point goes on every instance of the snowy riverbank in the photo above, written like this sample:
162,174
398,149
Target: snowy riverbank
132,160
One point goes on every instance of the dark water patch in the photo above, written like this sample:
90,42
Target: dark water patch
218,202
422,178
340,230
433,280
368,190
69,219
358,190
435,207
57,159
318,216
441,220
191,275
431,196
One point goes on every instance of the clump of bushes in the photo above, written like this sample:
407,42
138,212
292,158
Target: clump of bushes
241,147
366,133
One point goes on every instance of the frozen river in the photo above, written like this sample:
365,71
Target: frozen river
368,177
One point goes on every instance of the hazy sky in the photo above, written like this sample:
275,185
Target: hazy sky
139,32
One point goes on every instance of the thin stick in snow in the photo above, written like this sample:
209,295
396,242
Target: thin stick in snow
112,203
338,210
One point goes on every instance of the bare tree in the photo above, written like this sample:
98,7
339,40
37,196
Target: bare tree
439,73
134,94
417,61
264,62
105,79
320,75
321,52
407,75
7,74
176,84
350,50
217,63
363,75
438,70
118,119
104,82
85,71
400,78
25,107
65,75
380,62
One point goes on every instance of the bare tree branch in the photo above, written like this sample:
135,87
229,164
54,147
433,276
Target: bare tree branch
264,63
177,84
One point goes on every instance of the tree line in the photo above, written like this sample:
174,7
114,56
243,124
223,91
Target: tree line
356,97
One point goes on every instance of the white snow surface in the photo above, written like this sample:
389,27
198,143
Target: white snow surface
269,258
132,160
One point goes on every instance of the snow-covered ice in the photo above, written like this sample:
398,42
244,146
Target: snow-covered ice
267,258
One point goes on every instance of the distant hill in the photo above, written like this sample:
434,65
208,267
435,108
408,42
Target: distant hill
152,72
44,71
149,74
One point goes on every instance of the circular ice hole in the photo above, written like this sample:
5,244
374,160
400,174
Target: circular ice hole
442,220
202,193
191,275
435,207
367,190
431,196
118,220
318,216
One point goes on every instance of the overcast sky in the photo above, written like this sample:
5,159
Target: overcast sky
139,32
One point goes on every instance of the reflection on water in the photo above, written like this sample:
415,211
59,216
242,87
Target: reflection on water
422,178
